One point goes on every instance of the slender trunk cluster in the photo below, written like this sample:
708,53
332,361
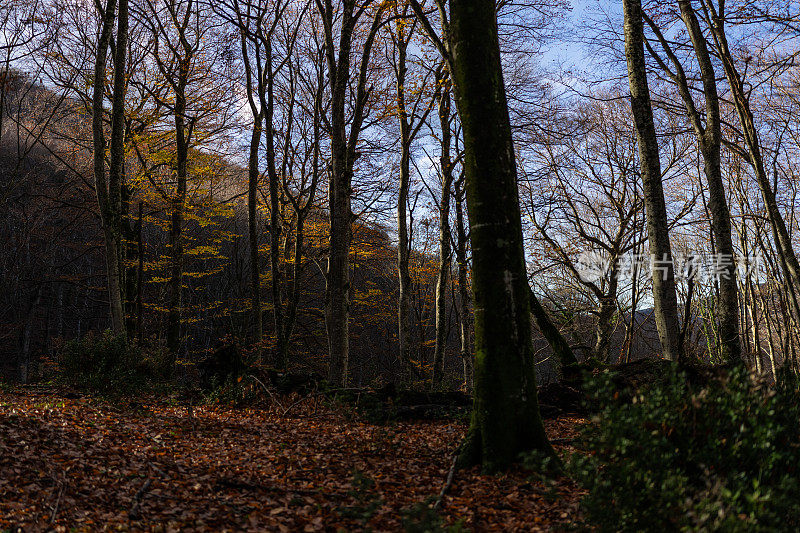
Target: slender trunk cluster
715,19
109,191
709,138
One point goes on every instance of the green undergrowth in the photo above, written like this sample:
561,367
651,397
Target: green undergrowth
107,365
721,456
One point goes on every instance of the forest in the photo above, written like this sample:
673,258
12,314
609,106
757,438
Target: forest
399,265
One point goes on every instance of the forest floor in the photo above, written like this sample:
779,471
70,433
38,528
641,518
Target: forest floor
72,463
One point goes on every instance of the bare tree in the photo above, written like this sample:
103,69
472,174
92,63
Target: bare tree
709,136
664,297
344,152
109,192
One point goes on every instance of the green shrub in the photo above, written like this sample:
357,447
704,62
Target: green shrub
108,364
722,457
423,518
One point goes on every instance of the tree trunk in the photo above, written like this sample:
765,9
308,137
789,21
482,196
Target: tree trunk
139,279
301,213
27,333
605,328
107,191
275,222
252,231
741,101
463,290
505,418
403,275
175,284
343,156
338,276
665,301
443,276
559,345
294,292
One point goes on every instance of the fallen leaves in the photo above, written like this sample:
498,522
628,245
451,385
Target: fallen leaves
84,464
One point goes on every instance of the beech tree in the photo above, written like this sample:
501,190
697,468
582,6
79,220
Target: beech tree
109,191
708,131
344,87
665,300
505,419
190,98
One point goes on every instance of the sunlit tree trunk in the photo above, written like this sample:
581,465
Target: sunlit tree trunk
463,289
665,301
711,144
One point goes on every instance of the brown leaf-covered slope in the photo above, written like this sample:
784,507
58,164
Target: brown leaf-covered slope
90,465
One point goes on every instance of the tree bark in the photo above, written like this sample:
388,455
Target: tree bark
665,300
463,290
605,327
445,253
107,191
505,418
716,20
403,275
561,348
253,175
343,157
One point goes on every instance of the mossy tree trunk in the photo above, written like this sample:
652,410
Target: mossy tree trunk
505,419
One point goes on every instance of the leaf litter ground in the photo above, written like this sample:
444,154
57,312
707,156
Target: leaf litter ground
82,464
